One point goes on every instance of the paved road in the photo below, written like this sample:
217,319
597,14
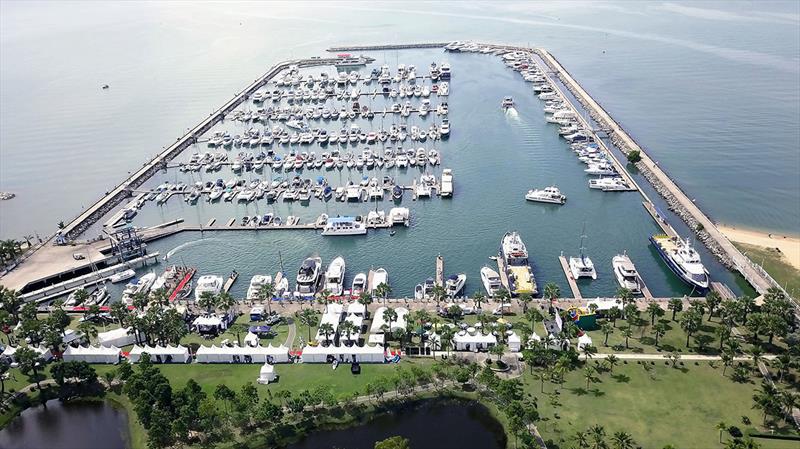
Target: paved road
292,333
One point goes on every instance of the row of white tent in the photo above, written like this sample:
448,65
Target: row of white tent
10,351
92,354
346,354
242,354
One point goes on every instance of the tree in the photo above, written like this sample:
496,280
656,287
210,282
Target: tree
690,323
389,316
365,299
327,330
324,298
552,291
675,305
207,301
634,156
622,440
654,310
525,299
238,329
673,358
4,367
713,300
612,361
30,361
225,394
11,301
478,297
723,334
225,301
625,295
659,330
498,350
88,330
757,355
613,314
455,312
159,433
438,292
266,293
383,290
727,360
607,330
588,374
308,318
627,333
80,295
393,443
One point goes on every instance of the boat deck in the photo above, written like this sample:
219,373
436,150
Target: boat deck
573,285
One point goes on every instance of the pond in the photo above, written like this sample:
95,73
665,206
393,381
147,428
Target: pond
429,424
57,425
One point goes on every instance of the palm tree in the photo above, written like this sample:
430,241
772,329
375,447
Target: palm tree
225,301
498,350
308,317
525,299
622,440
721,426
533,316
479,298
365,299
581,439
654,310
265,293
625,295
713,299
347,328
612,362
606,329
727,360
675,305
389,316
446,338
690,323
383,290
598,435
88,330
324,298
238,329
207,301
326,329
438,292
627,333
552,291
723,333
757,355
11,301
659,330
160,297
80,295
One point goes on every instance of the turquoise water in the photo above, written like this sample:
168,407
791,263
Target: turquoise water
710,89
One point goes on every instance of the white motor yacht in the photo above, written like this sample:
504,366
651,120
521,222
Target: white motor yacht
208,283
308,276
359,284
508,102
256,282
491,281
626,274
376,278
455,284
122,276
334,277
547,195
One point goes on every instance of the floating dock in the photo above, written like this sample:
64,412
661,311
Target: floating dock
573,285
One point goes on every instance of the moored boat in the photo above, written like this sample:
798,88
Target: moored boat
682,259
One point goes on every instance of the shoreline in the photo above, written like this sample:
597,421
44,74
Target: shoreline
787,245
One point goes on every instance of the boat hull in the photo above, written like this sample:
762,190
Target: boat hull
675,269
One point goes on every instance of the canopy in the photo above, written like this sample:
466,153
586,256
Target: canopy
356,308
251,339
514,342
378,321
161,354
259,329
347,354
116,337
465,341
92,354
267,374
584,340
9,352
242,354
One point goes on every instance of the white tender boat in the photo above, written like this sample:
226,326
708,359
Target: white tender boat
376,278
334,277
491,281
256,282
626,274
547,195
508,102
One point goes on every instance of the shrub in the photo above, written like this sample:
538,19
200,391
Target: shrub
634,156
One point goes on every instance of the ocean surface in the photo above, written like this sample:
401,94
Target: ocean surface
709,89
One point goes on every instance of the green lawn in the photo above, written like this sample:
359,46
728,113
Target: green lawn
776,265
675,406
281,330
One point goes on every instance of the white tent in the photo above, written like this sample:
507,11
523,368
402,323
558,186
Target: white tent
161,354
356,308
514,342
333,316
92,354
242,354
346,354
605,304
267,374
465,341
378,322
584,340
251,339
9,352
116,337
357,321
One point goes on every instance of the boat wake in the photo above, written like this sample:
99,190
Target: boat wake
512,113
183,246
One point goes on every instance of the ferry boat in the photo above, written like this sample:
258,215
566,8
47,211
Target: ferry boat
682,259
491,281
376,278
334,277
626,274
582,267
208,283
344,226
508,102
518,269
547,195
455,284
359,284
308,276
256,282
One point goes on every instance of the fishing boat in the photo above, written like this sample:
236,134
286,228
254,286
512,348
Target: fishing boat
455,284
376,278
359,284
308,276
344,226
626,274
518,269
547,195
122,276
491,281
256,282
334,277
682,259
208,283
582,266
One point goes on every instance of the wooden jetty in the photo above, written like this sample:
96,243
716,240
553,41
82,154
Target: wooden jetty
645,291
440,270
503,272
229,283
573,285
660,220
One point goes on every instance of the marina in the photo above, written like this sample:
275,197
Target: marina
272,149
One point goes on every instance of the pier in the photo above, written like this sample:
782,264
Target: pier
573,285
387,47
439,270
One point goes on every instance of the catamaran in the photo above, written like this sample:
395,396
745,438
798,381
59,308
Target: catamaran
582,267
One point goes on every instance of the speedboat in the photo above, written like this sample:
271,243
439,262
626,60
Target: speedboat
491,281
682,259
334,277
208,283
376,278
359,284
508,102
626,274
256,282
455,284
547,195
308,276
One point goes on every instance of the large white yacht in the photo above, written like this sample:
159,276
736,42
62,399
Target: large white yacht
256,282
455,284
682,259
308,276
359,284
582,266
518,268
208,283
491,281
344,226
376,278
334,277
547,195
626,274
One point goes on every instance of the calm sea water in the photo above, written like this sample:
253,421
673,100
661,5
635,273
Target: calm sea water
710,89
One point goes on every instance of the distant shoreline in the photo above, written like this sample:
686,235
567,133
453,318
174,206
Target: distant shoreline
788,245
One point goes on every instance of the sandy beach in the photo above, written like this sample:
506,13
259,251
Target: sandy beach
788,245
